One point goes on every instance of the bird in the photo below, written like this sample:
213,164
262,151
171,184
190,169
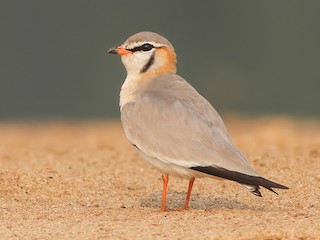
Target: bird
173,127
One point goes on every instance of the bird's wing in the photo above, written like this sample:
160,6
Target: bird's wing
172,122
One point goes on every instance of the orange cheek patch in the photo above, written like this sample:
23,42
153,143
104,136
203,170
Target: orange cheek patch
169,60
166,63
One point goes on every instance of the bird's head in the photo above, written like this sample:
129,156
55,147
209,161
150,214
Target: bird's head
147,54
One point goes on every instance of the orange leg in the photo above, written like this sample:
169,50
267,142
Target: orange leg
165,179
186,203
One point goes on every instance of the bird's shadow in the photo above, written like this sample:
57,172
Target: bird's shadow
175,200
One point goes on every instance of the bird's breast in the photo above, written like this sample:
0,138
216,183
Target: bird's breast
129,90
134,86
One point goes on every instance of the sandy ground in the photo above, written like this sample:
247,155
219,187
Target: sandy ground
84,181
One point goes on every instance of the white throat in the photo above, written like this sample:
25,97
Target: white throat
128,89
135,62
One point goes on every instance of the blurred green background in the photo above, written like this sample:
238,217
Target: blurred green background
252,57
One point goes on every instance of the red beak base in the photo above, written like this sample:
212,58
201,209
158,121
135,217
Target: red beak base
120,51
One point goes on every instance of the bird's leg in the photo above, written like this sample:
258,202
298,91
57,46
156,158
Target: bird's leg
165,179
186,203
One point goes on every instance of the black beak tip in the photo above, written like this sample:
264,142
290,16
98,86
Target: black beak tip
112,51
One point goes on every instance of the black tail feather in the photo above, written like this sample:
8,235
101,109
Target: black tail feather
254,181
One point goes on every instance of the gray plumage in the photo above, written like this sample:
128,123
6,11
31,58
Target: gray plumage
171,123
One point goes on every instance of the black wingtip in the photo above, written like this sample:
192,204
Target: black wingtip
269,185
254,181
270,189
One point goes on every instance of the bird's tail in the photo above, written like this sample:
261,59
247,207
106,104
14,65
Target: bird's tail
250,182
264,183
253,189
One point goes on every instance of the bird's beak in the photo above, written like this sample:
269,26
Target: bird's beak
119,50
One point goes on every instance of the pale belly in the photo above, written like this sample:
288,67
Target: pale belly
173,169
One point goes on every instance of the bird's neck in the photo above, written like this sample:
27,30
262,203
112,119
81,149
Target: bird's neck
165,63
129,89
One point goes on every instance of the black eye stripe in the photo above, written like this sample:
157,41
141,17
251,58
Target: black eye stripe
145,47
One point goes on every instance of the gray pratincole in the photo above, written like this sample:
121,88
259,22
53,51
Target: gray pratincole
171,124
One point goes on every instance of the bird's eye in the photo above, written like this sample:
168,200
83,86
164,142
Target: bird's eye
146,47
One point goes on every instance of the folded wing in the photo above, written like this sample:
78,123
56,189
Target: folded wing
172,122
